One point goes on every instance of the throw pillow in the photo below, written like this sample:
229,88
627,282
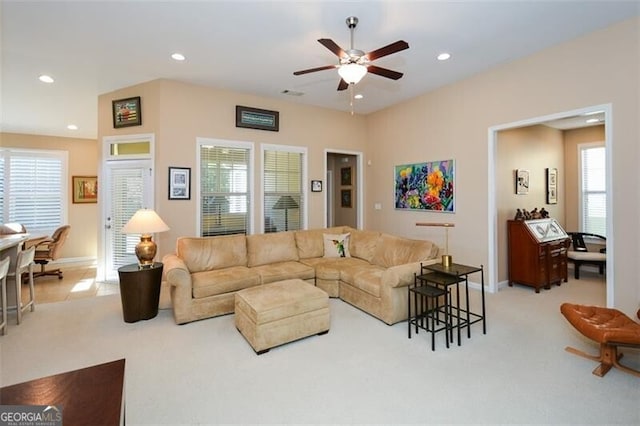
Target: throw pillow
336,245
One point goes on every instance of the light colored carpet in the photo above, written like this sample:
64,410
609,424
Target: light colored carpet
363,371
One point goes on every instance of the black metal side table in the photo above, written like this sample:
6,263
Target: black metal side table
428,311
454,274
140,291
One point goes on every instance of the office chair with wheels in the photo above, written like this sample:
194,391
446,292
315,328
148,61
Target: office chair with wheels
48,250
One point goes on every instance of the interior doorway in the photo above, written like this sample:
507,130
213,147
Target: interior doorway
344,193
492,183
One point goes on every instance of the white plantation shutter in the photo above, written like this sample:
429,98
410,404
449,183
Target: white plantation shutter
126,190
224,189
34,188
593,183
283,189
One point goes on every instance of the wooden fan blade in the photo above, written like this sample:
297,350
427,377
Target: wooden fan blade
326,67
343,85
332,46
394,75
387,50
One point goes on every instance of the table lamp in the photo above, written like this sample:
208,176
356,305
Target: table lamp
145,222
285,203
447,260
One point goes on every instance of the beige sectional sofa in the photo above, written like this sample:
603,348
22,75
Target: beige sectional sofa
205,273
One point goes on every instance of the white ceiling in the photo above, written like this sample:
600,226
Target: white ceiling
94,47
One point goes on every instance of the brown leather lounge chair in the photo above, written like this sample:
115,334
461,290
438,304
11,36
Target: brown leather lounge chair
607,326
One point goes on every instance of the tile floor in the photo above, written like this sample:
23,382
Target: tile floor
77,283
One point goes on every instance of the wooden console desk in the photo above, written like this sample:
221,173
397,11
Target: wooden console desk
537,253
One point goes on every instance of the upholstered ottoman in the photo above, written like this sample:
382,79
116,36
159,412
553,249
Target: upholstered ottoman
281,312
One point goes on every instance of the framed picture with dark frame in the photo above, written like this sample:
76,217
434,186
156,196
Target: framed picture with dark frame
179,183
127,112
552,185
345,176
345,198
256,118
85,189
522,182
316,186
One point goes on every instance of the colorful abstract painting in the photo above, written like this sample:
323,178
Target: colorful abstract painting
425,186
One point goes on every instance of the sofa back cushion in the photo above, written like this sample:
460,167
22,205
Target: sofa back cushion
263,249
363,244
209,253
392,251
310,242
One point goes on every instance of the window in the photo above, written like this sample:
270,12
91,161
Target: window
593,189
283,177
33,190
224,190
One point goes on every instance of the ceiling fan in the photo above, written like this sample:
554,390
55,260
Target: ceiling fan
354,64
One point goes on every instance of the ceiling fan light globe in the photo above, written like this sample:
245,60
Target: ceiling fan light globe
352,73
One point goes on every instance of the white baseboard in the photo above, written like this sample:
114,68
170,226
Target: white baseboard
75,261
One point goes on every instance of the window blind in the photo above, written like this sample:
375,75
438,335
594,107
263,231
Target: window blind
224,190
283,198
593,190
32,189
127,185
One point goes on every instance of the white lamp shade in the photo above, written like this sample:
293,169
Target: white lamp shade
145,221
352,73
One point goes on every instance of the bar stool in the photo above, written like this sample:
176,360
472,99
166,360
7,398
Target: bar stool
24,264
427,310
4,270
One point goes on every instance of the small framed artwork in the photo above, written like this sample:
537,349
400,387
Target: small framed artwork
552,185
316,186
345,198
256,118
85,189
522,182
127,112
345,176
179,183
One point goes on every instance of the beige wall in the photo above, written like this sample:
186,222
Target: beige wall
178,113
83,161
533,148
572,139
453,122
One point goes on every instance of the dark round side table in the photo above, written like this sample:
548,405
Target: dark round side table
140,291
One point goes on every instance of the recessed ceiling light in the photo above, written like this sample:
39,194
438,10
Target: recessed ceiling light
593,120
178,57
45,78
72,127
358,96
443,56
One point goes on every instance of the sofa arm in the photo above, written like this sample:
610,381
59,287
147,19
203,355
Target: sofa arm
179,279
402,275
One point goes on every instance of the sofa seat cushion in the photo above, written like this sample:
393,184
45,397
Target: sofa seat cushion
366,278
283,271
280,300
329,268
211,283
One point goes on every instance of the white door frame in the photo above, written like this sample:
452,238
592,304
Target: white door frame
101,273
492,207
